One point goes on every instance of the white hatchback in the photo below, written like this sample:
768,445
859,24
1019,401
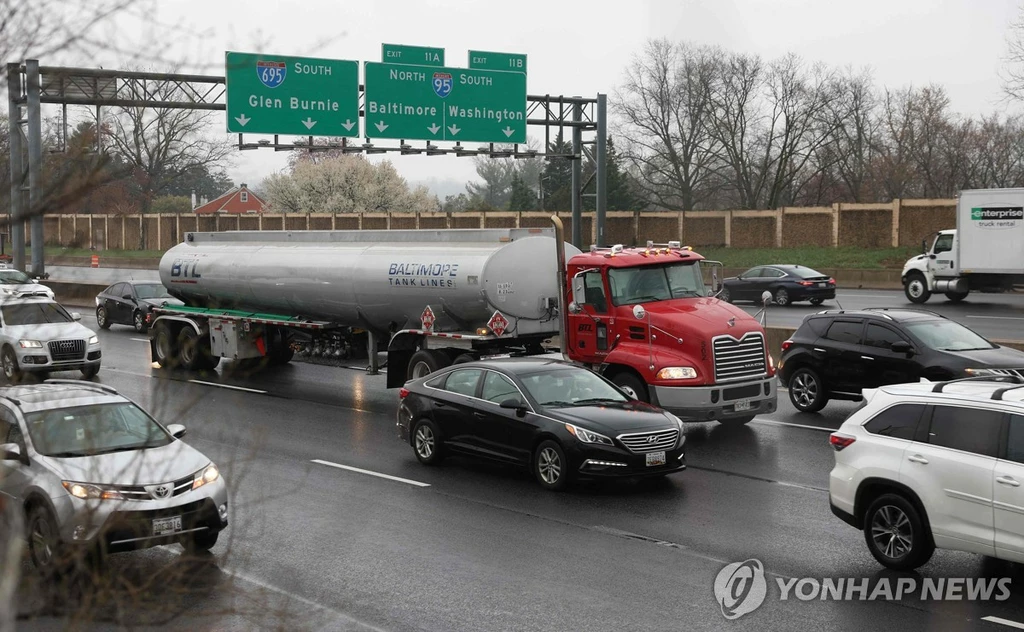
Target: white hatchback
934,465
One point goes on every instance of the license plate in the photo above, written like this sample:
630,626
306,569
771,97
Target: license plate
823,285
743,404
655,458
167,526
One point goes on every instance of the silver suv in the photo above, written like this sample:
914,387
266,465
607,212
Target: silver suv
93,471
38,335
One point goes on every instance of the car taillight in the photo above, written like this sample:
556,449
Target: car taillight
839,441
806,283
403,393
786,344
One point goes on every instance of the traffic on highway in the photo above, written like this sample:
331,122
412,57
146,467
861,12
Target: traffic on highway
496,429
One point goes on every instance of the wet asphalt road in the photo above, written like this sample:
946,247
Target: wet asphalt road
472,546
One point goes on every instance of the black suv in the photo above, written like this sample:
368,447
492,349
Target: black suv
834,354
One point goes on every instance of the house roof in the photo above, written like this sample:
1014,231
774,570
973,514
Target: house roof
231,202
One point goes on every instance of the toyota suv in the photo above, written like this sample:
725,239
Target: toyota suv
91,470
834,354
934,465
37,335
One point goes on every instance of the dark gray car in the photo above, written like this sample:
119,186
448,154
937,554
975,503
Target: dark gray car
128,303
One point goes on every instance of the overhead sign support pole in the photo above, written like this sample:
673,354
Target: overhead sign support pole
602,175
16,221
576,182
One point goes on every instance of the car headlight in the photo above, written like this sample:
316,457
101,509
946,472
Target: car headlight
7,290
30,344
87,490
677,373
207,475
983,372
95,340
586,436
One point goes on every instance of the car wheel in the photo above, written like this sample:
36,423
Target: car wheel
724,295
550,466
631,385
426,442
817,301
781,297
10,365
806,391
199,541
895,533
956,297
424,362
90,372
916,288
736,422
101,317
139,321
44,543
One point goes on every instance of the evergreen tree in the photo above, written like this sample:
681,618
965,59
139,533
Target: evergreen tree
522,197
621,194
556,180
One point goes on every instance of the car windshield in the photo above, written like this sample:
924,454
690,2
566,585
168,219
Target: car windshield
804,273
35,314
656,283
94,429
151,290
14,277
946,335
570,386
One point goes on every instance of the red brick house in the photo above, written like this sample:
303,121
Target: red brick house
236,201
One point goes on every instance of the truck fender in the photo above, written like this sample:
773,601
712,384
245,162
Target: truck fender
638,356
180,319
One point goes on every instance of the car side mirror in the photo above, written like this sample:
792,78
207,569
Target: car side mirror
127,297
76,316
177,430
901,347
931,256
515,404
10,452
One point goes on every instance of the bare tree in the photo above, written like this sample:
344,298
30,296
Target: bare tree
854,114
1012,72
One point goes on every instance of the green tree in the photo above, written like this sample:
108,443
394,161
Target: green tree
522,197
621,191
171,204
556,179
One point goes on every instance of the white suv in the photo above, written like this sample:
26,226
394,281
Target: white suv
934,465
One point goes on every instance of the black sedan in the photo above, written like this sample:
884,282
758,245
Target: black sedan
561,421
128,303
786,283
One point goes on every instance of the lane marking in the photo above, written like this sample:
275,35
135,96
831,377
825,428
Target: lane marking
371,473
996,317
754,477
230,386
771,422
139,339
1006,622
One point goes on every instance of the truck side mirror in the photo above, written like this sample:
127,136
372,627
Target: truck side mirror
924,246
574,308
639,312
579,290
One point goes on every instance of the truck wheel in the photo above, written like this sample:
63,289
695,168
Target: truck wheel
165,346
189,353
631,385
916,288
956,297
207,361
463,358
425,362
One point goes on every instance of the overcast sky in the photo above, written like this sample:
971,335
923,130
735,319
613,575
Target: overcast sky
583,47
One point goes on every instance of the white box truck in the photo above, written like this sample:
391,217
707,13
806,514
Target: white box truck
985,253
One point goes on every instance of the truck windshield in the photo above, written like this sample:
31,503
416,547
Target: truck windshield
656,283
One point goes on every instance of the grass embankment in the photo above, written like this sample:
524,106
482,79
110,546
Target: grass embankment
56,251
812,257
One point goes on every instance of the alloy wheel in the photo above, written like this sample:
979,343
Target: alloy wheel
549,466
9,368
892,532
805,389
140,323
424,441
101,317
42,541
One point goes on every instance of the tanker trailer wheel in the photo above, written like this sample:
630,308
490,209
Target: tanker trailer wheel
631,385
463,358
207,361
425,362
165,346
189,352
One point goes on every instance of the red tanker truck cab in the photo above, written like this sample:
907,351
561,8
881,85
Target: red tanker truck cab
646,320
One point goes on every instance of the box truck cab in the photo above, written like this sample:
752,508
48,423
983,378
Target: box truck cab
983,254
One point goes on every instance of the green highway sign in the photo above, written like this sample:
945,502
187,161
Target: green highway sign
273,94
416,55
451,104
484,60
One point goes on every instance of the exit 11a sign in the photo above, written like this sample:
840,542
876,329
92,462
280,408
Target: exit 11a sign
302,96
416,55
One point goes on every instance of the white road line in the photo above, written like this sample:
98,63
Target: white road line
785,423
139,339
377,474
1006,622
234,388
996,317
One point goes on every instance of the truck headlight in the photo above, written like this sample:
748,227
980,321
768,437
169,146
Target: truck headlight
587,436
677,373
95,340
207,475
30,344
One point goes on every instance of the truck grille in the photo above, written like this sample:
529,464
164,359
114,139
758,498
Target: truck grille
650,441
67,350
739,359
